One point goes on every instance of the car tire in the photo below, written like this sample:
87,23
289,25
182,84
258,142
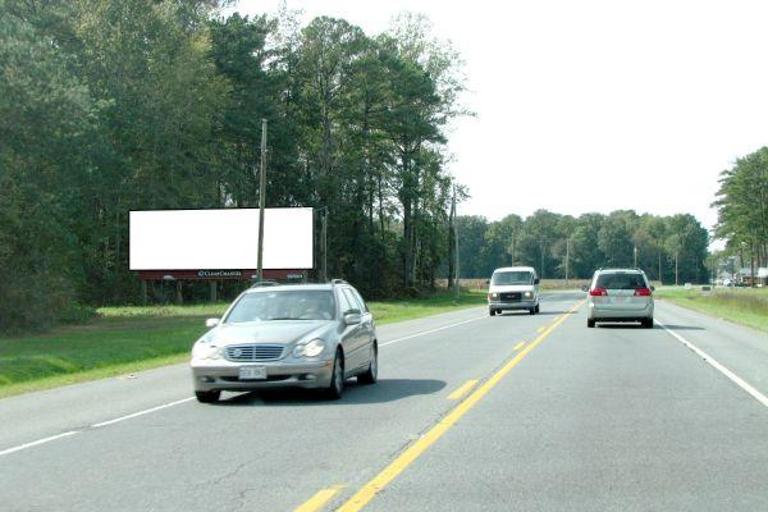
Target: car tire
336,387
207,397
648,323
492,312
538,308
532,311
590,323
371,375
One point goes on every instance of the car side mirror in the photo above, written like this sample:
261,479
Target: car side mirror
536,281
353,317
584,288
487,281
211,322
653,288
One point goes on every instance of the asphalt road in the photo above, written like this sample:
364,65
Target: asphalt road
561,418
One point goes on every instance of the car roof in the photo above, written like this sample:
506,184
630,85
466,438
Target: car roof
620,271
514,269
288,287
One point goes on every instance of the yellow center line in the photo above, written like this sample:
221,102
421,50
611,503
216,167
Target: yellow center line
541,329
366,493
519,346
463,390
317,501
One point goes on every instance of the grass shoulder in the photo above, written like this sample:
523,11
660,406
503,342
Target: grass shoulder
745,306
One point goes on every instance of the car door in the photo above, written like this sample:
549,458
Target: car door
353,337
369,326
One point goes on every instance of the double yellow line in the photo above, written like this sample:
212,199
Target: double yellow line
366,493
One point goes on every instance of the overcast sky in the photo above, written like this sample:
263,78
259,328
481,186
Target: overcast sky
593,105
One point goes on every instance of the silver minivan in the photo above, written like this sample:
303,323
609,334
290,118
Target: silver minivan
620,295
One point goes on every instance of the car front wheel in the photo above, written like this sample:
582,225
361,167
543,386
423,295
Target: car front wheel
336,387
590,323
492,312
648,323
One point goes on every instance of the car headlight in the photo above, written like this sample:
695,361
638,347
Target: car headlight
528,295
203,350
493,296
312,348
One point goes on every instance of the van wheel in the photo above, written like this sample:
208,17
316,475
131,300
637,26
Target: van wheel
538,308
532,311
648,323
590,323
492,312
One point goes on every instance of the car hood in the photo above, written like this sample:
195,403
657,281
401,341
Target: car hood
280,332
511,288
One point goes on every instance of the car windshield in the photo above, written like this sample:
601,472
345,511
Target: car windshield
512,277
283,305
621,281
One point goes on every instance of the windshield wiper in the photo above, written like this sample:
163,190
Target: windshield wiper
284,318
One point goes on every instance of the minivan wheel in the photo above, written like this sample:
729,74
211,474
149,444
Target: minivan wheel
532,311
336,387
207,397
648,323
492,312
590,323
371,375
538,308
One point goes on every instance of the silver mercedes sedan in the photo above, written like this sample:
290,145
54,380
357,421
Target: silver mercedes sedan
305,335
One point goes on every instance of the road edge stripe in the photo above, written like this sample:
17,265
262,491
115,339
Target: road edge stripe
368,491
744,385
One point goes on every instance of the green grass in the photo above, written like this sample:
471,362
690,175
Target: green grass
123,340
746,306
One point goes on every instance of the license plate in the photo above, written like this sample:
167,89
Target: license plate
253,372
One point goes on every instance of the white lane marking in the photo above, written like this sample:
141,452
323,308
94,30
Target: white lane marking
722,369
95,425
38,442
423,333
141,413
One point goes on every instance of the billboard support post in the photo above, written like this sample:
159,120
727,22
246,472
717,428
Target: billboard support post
262,195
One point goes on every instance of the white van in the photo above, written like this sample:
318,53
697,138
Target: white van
512,288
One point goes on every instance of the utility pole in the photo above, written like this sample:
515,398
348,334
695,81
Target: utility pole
661,281
262,197
324,235
456,244
635,253
567,258
676,259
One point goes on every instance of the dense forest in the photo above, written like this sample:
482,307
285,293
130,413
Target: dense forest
110,106
671,249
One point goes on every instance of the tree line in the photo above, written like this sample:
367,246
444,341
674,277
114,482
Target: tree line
110,106
671,249
742,204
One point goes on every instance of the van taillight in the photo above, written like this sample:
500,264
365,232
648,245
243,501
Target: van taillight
642,292
598,292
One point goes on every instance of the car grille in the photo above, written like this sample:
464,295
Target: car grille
254,352
510,297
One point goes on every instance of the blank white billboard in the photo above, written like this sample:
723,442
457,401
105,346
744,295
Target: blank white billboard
222,239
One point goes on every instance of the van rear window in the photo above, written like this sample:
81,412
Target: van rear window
512,277
631,281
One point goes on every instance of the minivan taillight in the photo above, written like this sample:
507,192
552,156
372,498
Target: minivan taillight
598,292
642,292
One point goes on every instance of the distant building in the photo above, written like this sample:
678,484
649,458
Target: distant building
761,276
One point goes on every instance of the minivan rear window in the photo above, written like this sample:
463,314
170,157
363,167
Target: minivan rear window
512,277
619,281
